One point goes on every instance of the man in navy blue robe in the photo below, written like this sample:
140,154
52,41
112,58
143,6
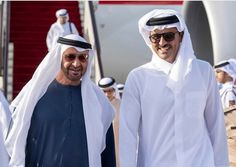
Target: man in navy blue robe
66,119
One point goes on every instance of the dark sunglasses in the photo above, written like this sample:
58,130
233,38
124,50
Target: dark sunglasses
168,37
71,57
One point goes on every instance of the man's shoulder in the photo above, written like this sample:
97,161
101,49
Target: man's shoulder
138,72
69,22
202,64
205,69
140,68
54,25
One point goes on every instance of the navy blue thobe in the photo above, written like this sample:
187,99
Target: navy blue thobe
57,134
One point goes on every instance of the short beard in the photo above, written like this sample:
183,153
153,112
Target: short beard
66,74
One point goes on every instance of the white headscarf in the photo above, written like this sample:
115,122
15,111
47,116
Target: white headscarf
182,64
120,87
106,80
98,112
62,12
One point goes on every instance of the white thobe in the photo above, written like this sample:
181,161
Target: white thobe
163,128
4,123
227,94
59,30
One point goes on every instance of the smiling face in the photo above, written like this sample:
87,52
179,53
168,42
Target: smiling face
167,43
73,66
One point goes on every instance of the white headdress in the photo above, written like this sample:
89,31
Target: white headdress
62,13
228,66
98,112
109,82
185,54
120,87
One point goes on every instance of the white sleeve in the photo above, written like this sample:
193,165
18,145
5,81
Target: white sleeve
214,118
130,114
74,29
230,96
49,39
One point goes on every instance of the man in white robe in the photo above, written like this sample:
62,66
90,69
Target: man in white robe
226,75
60,28
171,113
69,65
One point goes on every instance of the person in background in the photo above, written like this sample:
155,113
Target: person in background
61,118
109,87
171,114
5,116
120,88
60,28
225,74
